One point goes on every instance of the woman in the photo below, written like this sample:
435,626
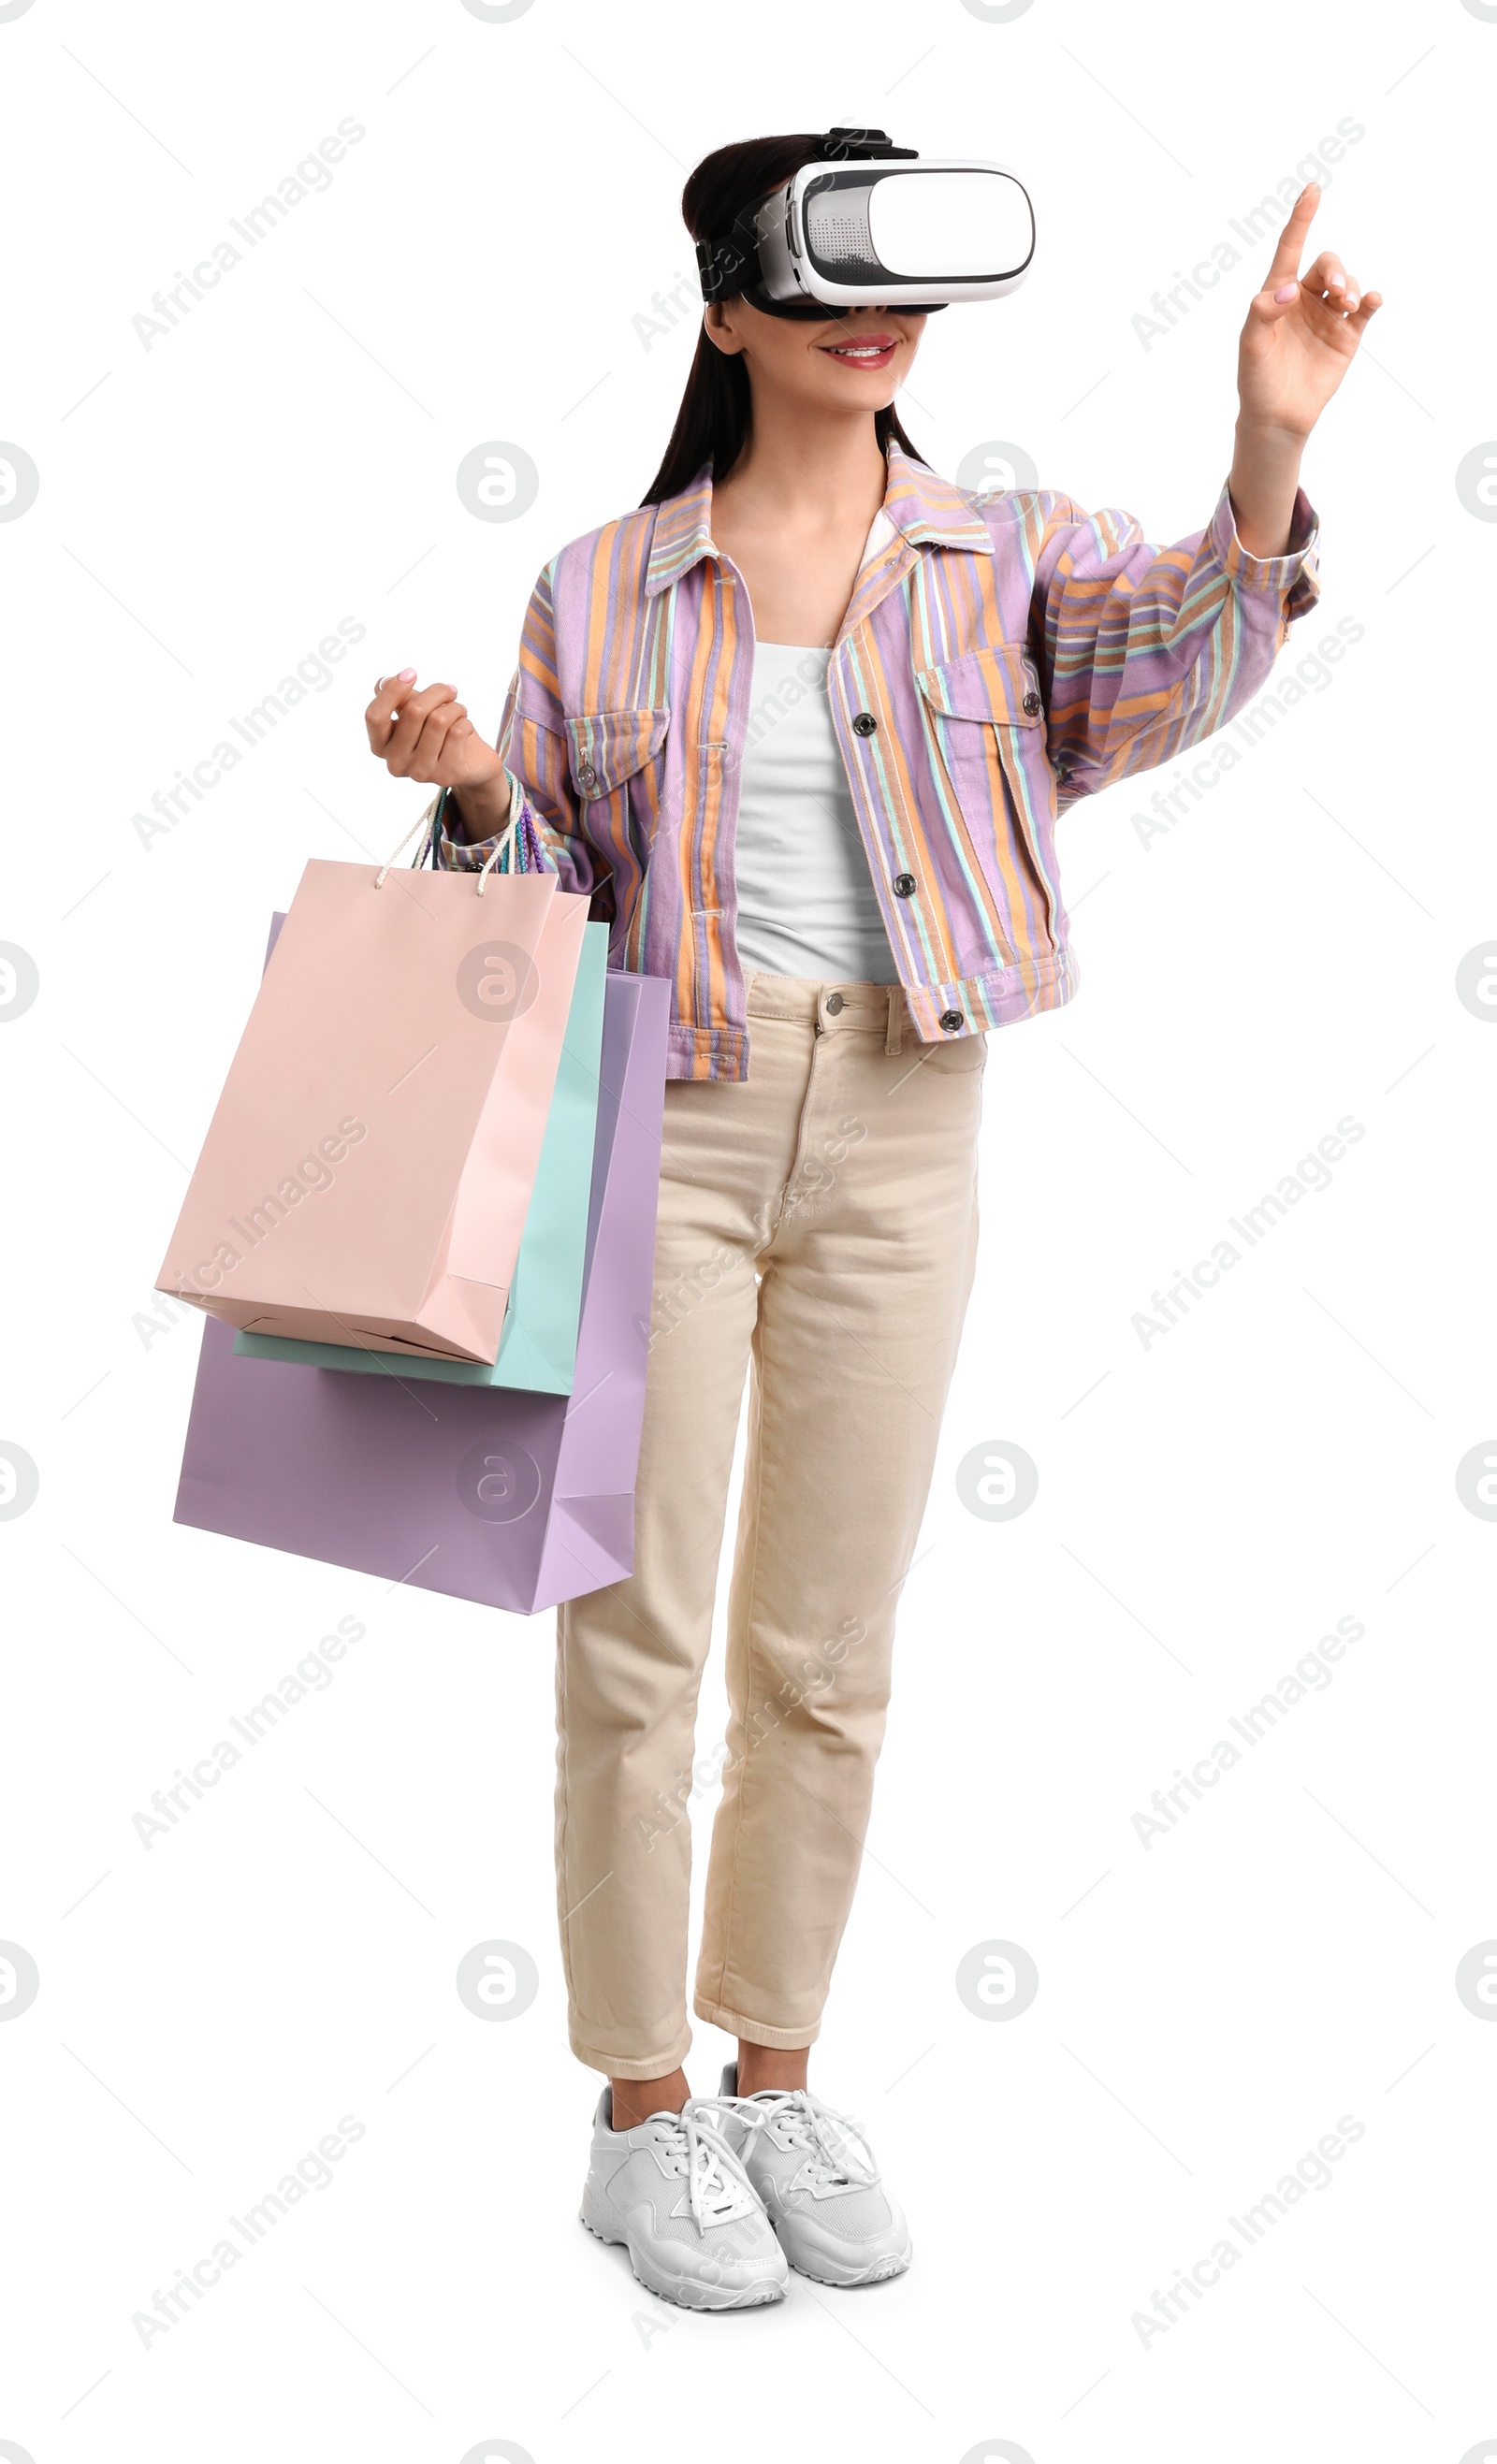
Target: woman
801,726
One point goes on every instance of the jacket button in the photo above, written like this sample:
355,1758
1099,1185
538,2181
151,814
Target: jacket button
1062,774
952,1020
903,885
1032,705
864,724
587,775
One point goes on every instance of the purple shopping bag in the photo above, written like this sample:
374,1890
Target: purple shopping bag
513,1497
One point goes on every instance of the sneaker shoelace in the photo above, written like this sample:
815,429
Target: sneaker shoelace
837,2154
718,2188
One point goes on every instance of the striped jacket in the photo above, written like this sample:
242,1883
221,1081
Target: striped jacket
998,658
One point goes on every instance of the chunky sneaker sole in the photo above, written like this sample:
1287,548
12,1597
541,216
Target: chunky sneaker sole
690,2292
892,2263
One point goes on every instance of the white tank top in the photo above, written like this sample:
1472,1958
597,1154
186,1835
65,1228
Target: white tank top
806,903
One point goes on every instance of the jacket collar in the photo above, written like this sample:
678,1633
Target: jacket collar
931,512
928,511
682,533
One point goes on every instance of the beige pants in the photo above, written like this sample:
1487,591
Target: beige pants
818,1226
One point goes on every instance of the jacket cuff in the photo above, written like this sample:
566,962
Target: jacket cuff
1294,578
526,853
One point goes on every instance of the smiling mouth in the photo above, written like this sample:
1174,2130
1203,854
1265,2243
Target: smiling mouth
868,350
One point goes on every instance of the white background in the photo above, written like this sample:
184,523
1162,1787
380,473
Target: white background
1209,2006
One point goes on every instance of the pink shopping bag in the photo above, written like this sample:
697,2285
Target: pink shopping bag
368,1171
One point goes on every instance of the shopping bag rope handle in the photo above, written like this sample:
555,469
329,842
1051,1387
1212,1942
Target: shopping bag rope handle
505,844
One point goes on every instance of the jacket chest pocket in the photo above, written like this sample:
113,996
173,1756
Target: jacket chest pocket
615,759
985,715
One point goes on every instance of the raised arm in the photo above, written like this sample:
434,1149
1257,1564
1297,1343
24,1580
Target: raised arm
1301,337
1144,651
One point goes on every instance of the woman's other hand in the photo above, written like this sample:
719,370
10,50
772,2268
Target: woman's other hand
1302,331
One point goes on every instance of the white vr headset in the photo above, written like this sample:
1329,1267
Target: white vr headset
873,227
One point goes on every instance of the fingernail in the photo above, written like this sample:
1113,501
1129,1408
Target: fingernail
1286,291
1351,299
1338,282
406,676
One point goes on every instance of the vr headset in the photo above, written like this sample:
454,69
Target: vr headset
871,226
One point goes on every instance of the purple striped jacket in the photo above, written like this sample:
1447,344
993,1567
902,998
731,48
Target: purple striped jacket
998,658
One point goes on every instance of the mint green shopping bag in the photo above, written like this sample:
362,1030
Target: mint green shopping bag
538,1349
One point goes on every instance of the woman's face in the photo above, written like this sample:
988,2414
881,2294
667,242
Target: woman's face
854,361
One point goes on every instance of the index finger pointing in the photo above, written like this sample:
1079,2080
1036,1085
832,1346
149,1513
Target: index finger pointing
1287,255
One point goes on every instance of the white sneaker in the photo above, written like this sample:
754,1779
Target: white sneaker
673,2192
815,2172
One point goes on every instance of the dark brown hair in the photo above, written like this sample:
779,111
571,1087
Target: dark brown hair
714,420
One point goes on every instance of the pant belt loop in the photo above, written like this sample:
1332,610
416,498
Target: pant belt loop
892,1042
